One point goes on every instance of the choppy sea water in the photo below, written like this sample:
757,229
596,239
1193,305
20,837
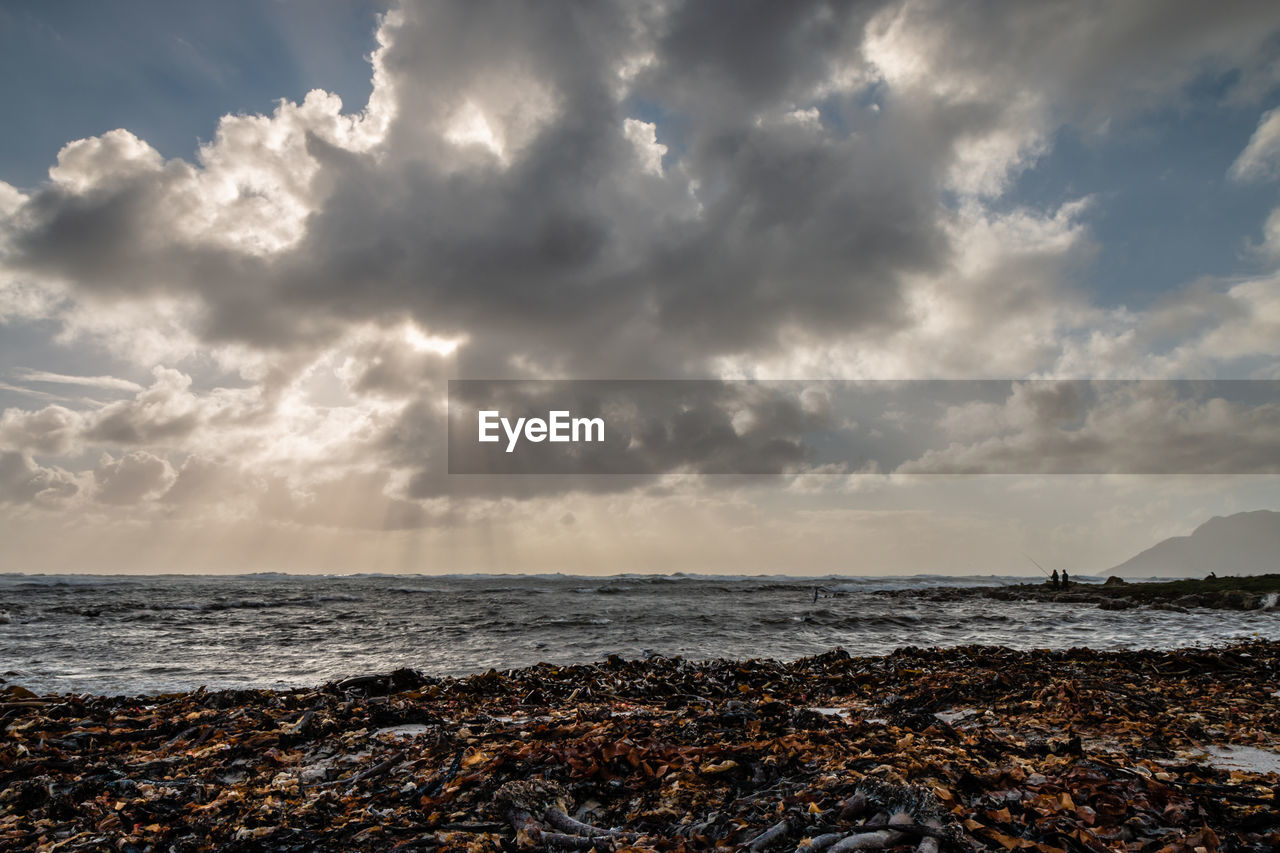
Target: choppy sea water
113,635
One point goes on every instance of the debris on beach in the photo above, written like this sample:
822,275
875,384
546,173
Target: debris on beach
972,748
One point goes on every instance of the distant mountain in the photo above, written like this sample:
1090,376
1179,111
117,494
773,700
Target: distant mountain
1247,543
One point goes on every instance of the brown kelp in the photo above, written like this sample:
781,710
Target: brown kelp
974,748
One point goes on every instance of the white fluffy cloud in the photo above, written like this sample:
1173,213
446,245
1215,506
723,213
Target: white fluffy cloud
51,430
1260,160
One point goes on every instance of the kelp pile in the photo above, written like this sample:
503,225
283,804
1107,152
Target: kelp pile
975,748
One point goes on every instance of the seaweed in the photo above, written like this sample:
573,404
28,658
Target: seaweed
971,748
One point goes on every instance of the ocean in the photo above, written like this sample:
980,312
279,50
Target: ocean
149,634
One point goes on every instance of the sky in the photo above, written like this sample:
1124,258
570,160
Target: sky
244,248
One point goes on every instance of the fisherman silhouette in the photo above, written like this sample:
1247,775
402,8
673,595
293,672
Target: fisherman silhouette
1053,579
1065,579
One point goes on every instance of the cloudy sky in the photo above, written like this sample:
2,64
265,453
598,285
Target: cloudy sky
243,247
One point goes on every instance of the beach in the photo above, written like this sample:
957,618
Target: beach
966,748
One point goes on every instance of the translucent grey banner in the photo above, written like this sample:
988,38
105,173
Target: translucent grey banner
653,427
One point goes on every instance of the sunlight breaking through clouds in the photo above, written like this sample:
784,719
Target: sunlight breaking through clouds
264,324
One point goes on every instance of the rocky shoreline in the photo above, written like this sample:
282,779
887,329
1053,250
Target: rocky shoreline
976,748
1255,592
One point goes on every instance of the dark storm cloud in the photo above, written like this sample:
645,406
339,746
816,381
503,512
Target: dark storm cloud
574,258
563,252
569,246
817,159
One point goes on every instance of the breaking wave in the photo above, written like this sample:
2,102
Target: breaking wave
103,634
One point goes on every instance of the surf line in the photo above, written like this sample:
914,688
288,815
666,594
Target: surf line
558,426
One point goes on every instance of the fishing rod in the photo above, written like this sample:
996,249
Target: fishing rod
1038,566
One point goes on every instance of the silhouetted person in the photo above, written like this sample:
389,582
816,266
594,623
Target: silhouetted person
1053,579
1066,579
